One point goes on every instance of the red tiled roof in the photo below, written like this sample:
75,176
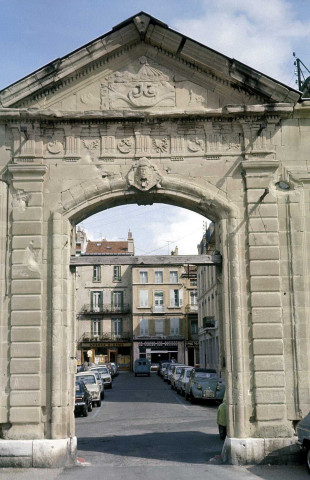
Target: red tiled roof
104,247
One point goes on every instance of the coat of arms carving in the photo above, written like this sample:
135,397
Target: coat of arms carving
146,88
144,175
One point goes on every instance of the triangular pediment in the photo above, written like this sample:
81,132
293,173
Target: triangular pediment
143,65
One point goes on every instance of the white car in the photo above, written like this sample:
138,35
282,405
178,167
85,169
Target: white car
92,385
175,373
183,379
104,374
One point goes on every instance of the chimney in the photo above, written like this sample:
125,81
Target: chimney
175,251
131,247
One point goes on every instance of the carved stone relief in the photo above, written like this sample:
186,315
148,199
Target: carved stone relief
20,199
146,88
144,175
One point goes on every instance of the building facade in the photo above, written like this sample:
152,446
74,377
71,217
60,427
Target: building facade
163,327
208,311
104,305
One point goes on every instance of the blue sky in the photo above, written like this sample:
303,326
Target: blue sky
261,33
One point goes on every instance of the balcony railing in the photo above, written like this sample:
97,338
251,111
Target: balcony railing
158,309
106,336
105,308
191,308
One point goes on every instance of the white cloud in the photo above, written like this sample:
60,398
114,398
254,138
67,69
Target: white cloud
184,230
260,33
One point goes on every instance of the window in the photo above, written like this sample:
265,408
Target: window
116,327
96,273
143,298
194,327
143,277
159,276
193,297
96,301
176,298
159,301
144,327
117,301
193,282
117,273
174,326
159,326
96,327
174,276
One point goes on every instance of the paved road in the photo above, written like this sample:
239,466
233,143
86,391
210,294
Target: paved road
145,430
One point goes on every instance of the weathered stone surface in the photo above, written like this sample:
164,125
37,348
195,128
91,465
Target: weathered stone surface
217,137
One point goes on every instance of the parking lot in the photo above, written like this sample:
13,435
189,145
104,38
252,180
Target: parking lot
144,429
143,421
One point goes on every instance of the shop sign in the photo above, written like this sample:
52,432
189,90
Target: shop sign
157,344
107,344
192,344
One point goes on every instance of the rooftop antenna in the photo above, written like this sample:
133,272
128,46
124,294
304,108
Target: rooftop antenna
300,75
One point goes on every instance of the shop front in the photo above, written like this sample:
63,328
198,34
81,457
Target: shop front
156,350
105,352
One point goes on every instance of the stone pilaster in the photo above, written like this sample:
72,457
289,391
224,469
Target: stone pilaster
266,301
4,296
27,303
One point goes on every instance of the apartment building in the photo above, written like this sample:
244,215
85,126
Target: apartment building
104,305
163,311
208,310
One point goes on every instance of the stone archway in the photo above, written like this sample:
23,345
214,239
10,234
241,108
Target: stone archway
139,122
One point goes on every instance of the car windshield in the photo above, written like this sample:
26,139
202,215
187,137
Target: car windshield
205,375
188,373
178,370
88,378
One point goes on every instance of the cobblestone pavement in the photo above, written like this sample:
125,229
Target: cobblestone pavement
145,430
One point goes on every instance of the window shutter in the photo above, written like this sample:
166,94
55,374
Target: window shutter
91,301
181,298
101,301
172,298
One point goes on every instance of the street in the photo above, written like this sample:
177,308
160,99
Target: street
144,429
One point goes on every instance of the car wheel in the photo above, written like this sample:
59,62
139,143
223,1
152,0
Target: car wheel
148,374
135,374
308,458
90,407
223,433
85,412
94,404
193,399
110,385
99,403
102,395
186,396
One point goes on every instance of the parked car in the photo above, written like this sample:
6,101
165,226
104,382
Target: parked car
175,373
104,375
163,368
92,385
83,399
303,432
99,380
221,419
210,388
142,367
194,387
168,371
161,365
113,368
183,380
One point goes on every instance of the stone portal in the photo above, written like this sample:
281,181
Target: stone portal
145,115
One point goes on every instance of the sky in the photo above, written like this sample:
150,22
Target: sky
260,33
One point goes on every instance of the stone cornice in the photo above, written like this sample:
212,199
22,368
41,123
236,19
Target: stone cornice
32,114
